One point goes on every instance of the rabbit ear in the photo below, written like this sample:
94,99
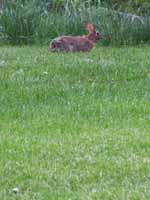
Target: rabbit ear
90,27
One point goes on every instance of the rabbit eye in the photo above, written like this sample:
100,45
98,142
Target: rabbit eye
97,33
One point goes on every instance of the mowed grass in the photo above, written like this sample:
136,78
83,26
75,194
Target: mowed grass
75,125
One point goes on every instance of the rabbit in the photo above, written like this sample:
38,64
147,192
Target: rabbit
76,43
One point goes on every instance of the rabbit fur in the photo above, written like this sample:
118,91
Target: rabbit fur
76,43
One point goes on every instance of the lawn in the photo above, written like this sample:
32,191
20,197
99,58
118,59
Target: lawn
75,126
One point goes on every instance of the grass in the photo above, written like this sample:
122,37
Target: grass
74,125
32,22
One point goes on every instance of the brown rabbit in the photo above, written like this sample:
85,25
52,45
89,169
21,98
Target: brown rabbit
76,43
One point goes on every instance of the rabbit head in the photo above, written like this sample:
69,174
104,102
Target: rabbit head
93,34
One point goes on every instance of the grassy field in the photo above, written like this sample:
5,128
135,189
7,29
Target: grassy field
75,126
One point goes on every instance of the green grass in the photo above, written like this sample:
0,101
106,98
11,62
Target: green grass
32,22
75,125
